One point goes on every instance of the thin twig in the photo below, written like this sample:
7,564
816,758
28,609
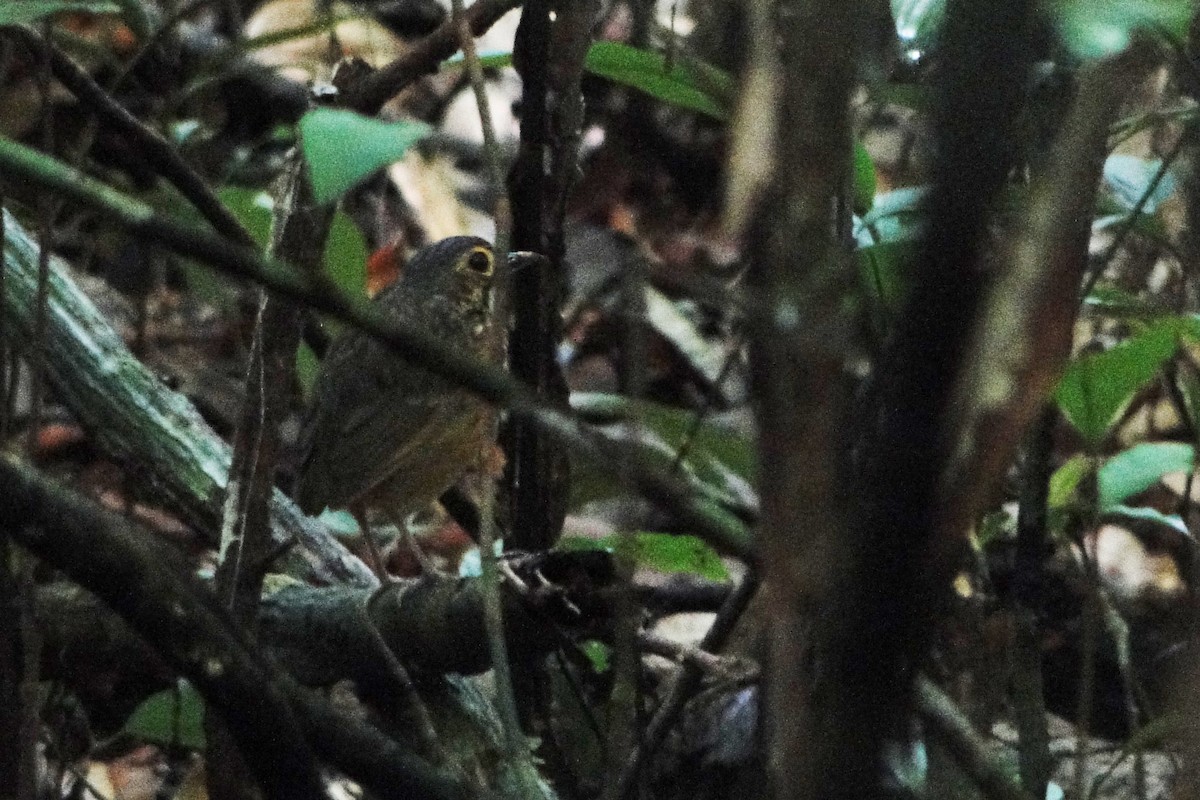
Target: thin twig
506,703
1096,269
157,151
370,94
685,685
972,751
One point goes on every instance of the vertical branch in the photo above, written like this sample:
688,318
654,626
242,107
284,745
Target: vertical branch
898,571
1029,702
517,755
537,467
1186,693
47,210
549,60
30,695
10,669
299,238
797,360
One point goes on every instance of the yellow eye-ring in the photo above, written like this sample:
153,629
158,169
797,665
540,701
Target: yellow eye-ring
481,260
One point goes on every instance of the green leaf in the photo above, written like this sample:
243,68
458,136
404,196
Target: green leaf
307,367
1121,304
885,271
918,22
346,256
864,179
1093,29
173,716
1137,469
598,653
664,552
1066,479
254,208
1129,515
996,526
486,60
21,13
685,84
895,216
1097,389
342,147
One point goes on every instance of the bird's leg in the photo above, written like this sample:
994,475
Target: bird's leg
401,522
360,516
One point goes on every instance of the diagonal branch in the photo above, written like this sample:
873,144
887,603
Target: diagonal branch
157,151
141,421
369,95
278,725
708,519
145,582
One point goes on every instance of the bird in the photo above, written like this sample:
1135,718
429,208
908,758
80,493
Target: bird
383,433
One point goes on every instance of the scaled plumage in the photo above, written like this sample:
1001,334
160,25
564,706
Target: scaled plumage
385,433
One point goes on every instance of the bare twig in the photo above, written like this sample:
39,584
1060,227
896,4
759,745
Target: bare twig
972,751
157,151
686,683
370,94
298,236
506,704
1028,697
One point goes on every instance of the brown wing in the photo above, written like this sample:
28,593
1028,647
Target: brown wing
369,410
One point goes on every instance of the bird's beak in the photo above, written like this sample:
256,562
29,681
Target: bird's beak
523,259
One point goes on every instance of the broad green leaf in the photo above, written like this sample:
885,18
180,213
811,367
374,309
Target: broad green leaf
1137,469
1066,479
1097,389
173,716
342,147
346,256
307,367
864,179
1121,304
996,526
885,271
683,84
1134,515
664,552
1148,225
26,11
345,250
1095,29
895,216
598,653
254,208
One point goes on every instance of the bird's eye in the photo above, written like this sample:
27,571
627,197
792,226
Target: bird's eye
480,260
